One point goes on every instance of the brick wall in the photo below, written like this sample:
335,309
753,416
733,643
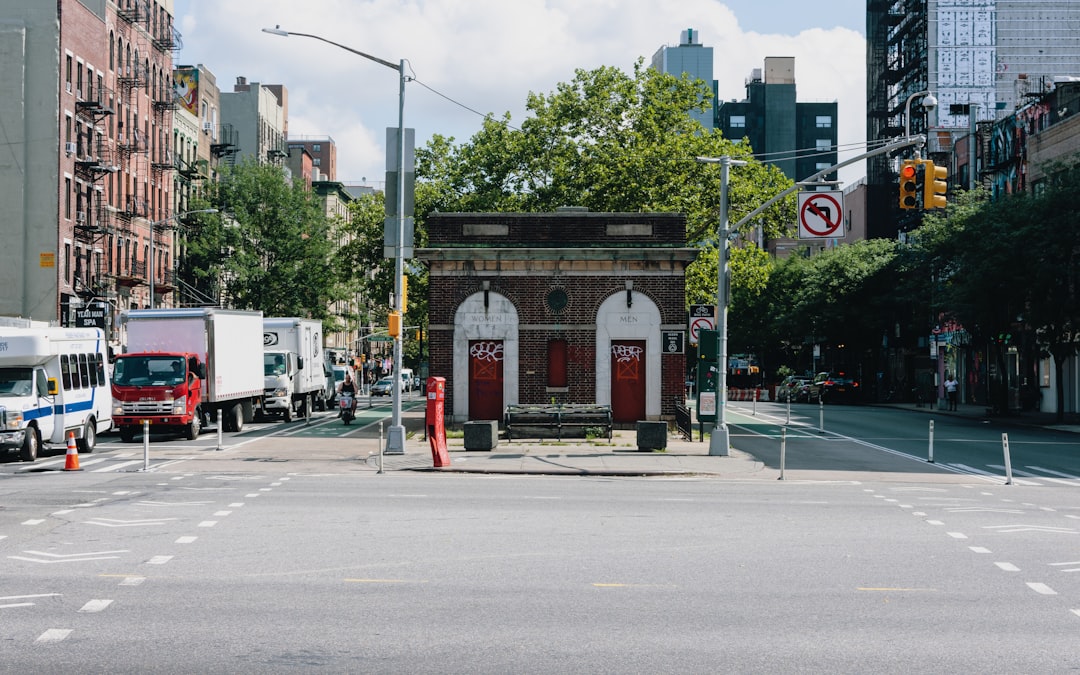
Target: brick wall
587,279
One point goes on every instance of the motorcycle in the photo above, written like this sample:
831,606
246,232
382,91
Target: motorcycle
345,405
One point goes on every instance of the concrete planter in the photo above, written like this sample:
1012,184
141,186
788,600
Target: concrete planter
651,435
481,435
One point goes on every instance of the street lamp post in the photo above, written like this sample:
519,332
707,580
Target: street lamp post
150,260
395,440
720,439
929,103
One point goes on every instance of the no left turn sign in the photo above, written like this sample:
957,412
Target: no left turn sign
821,214
699,324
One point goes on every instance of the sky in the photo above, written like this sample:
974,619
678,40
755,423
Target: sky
486,56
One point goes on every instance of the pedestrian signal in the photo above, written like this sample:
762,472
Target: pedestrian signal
909,186
934,185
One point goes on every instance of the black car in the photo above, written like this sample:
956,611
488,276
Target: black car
834,387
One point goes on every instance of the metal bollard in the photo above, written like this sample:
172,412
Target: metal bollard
146,445
788,420
1008,461
753,408
930,455
220,431
783,451
821,414
380,447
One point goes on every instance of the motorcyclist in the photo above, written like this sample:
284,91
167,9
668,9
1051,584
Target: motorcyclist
347,386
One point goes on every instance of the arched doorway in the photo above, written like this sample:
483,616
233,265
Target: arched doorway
485,356
628,375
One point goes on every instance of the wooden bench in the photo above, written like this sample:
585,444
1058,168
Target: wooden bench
556,421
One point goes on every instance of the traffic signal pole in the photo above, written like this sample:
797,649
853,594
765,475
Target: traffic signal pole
719,442
908,142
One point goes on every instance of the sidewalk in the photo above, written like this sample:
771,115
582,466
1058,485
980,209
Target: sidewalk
620,456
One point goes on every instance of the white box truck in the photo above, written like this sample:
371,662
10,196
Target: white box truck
182,368
53,382
294,377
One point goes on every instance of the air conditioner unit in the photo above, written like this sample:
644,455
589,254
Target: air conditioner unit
67,87
70,148
207,127
80,216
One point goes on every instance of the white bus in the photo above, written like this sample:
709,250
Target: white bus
53,381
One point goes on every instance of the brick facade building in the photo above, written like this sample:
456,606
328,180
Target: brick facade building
570,307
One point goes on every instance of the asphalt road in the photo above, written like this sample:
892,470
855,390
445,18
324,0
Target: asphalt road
256,560
239,573
846,439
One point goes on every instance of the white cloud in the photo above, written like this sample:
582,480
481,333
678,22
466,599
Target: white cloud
487,55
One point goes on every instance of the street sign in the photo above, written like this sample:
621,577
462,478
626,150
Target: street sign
702,317
380,338
672,341
821,214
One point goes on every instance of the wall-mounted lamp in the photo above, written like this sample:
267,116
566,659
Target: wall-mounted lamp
487,287
629,293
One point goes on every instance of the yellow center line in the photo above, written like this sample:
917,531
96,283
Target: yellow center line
387,581
903,590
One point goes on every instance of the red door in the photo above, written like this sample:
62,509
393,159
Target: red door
627,380
485,379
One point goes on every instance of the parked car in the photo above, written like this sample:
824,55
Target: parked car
834,387
793,388
384,387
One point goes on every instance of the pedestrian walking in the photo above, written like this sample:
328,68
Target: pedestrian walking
950,391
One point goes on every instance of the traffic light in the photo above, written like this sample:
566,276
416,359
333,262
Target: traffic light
909,187
934,185
394,324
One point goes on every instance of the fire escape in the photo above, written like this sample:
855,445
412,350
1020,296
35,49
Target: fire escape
145,152
225,145
94,160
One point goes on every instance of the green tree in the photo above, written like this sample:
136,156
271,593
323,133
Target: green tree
371,276
611,142
270,246
1011,266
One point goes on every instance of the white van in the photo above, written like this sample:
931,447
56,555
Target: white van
53,382
408,380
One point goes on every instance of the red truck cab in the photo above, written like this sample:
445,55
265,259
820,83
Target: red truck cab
165,388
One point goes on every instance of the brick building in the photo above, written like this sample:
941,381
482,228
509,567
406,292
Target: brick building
570,307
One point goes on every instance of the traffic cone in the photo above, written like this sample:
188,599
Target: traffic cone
71,461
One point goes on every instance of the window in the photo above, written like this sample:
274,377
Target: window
316,148
823,122
84,370
67,262
67,72
316,162
737,121
67,198
824,144
557,352
65,371
99,366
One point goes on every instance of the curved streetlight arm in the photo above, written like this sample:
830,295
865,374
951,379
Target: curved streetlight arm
376,59
895,145
396,437
929,103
